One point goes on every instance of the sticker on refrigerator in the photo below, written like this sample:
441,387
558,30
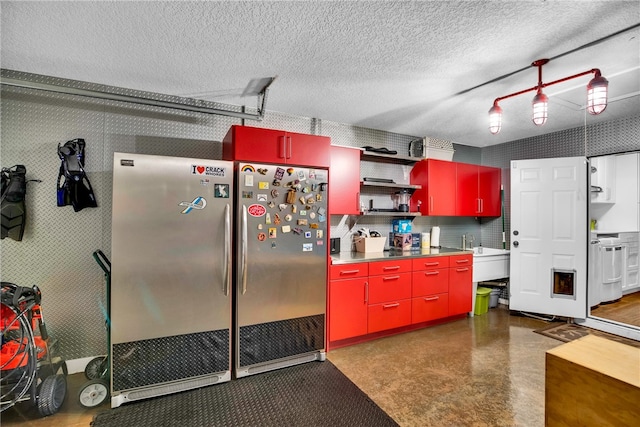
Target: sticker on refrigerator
263,185
248,180
221,191
204,182
301,175
320,242
307,247
286,228
273,233
247,194
256,210
312,174
248,168
262,197
290,171
218,171
198,203
319,234
279,173
307,234
263,171
262,237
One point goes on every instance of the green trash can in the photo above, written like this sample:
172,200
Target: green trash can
482,301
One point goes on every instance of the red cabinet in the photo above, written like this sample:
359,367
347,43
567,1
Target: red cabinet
244,143
368,298
348,305
430,287
478,191
460,285
438,193
389,295
344,181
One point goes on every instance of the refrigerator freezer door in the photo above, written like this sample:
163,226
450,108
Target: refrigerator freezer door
171,257
282,263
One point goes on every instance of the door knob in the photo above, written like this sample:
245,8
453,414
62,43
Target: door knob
515,232
516,243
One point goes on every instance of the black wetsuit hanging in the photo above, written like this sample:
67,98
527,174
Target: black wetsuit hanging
12,207
76,189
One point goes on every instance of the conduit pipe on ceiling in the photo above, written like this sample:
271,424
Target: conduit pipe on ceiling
262,97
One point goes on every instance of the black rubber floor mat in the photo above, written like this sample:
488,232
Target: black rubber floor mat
311,394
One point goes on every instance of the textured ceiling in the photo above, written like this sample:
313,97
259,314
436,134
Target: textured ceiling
395,66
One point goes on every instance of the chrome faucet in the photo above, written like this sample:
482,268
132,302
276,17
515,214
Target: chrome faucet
471,239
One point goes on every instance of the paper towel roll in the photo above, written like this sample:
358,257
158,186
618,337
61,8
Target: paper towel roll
425,240
435,237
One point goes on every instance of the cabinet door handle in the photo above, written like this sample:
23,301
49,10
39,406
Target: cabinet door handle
431,264
478,208
391,278
366,292
481,205
432,299
283,150
289,147
394,267
431,273
462,261
391,305
462,270
349,272
357,201
430,204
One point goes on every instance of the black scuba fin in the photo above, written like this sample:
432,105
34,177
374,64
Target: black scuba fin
76,189
12,208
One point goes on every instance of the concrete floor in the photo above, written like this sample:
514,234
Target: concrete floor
482,371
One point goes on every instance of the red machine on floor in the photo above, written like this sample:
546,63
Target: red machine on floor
30,370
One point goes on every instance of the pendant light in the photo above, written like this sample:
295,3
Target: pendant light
495,119
596,97
597,94
540,105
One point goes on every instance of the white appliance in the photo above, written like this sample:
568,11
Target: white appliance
612,268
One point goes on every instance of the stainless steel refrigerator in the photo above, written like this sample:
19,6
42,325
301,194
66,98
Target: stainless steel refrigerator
281,266
171,275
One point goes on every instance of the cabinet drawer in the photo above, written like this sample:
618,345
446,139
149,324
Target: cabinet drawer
461,260
428,308
349,271
389,287
389,267
430,263
389,315
430,282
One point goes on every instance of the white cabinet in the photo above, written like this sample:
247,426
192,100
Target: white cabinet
603,179
620,213
630,244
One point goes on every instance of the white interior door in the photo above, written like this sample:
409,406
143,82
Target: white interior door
549,233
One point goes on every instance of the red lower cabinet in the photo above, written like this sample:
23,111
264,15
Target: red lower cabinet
365,298
389,315
348,308
432,307
460,286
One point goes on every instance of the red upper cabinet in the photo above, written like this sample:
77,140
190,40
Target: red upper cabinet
478,190
438,193
244,143
344,181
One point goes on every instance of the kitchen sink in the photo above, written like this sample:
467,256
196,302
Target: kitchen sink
491,264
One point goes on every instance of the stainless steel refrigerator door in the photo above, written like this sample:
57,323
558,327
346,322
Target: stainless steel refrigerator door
282,262
171,267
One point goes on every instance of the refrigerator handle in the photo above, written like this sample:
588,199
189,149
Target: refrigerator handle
289,148
244,250
227,248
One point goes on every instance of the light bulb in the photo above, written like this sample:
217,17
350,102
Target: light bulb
597,94
540,102
495,119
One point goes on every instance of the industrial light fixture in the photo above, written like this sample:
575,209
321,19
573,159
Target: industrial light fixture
596,97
